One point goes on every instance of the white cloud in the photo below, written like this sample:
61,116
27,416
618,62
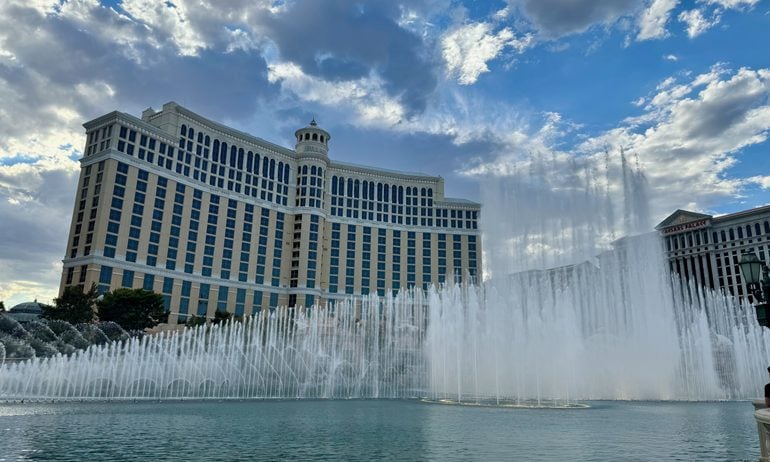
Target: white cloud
673,58
687,138
695,133
732,3
365,96
761,181
652,21
168,18
696,22
468,49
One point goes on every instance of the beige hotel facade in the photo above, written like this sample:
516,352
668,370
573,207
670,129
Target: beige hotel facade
215,219
707,249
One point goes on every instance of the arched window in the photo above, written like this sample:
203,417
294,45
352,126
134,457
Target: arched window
280,172
286,173
423,192
322,138
307,136
207,141
757,229
350,187
249,161
304,169
312,170
356,189
200,137
714,237
334,184
240,159
184,130
400,194
265,166
394,193
233,156
215,152
724,236
315,136
365,190
371,190
385,193
731,232
430,192
272,169
191,133
341,186
320,171
223,154
767,227
256,164
379,191
740,232
748,230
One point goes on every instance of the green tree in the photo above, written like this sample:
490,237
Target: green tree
195,321
74,305
2,306
221,316
133,309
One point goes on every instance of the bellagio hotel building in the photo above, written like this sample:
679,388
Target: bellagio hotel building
216,219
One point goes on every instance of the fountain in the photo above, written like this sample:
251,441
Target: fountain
569,313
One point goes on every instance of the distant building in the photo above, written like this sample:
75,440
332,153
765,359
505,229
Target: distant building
707,248
25,312
214,218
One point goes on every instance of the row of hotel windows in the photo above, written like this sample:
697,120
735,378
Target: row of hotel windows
243,305
312,253
382,202
246,272
352,257
237,158
727,275
696,238
80,213
267,179
120,204
263,177
310,186
98,140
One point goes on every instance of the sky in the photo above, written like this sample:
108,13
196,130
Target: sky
468,90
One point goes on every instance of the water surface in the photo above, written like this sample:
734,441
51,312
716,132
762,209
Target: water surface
375,430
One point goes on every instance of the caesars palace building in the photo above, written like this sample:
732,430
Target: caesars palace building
707,249
216,219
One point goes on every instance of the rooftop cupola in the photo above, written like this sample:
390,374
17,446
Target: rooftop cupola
312,140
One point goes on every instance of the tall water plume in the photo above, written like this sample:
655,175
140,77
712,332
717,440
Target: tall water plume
572,311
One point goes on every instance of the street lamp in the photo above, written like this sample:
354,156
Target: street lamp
757,277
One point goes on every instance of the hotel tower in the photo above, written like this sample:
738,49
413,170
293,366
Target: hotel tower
216,219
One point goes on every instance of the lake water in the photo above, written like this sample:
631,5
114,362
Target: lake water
376,430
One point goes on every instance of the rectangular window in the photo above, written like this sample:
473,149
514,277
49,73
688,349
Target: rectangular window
128,279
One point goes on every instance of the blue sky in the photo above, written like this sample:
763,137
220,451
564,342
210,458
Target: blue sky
464,89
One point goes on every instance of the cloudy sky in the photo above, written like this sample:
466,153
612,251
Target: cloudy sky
461,89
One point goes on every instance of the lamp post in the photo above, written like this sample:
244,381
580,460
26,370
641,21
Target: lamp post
757,277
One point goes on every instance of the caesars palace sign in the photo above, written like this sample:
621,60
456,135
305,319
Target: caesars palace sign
686,226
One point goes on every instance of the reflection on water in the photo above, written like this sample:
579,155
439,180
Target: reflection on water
375,430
